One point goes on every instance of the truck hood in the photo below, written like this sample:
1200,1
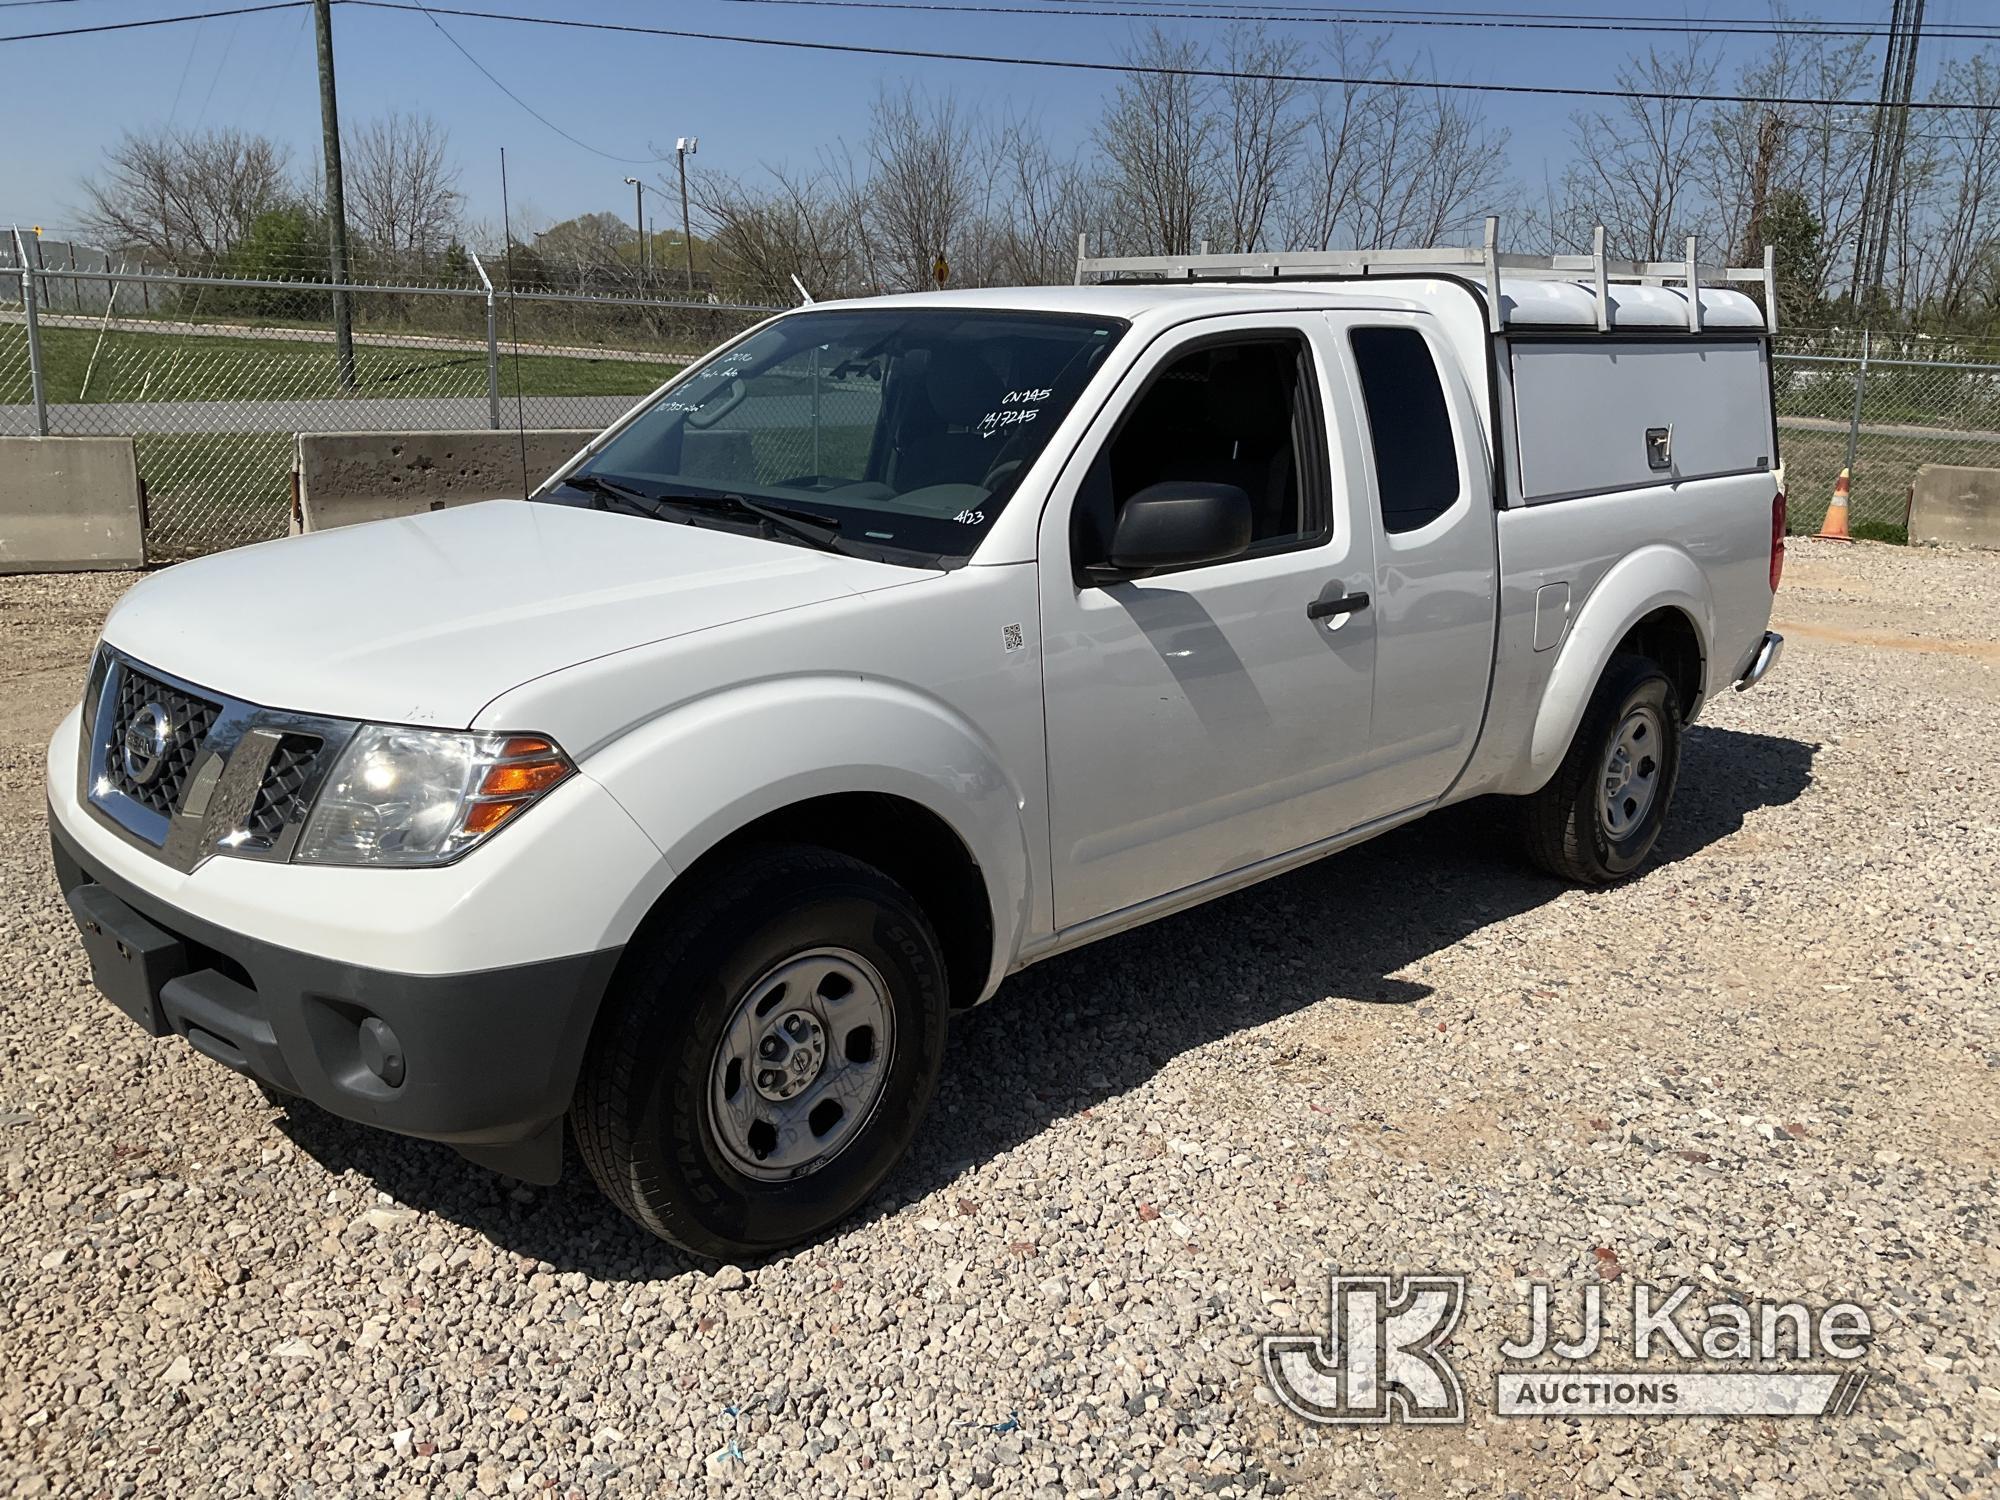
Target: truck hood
427,619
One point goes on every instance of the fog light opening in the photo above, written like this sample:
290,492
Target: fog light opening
382,1051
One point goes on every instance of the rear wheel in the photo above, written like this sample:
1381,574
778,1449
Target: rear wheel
770,1054
1601,813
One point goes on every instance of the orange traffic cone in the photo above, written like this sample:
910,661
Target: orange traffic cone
1834,528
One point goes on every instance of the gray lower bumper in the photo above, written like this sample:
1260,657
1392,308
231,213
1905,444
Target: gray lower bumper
485,1062
1766,657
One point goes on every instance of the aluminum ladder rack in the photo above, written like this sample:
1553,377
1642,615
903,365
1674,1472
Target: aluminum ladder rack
1483,263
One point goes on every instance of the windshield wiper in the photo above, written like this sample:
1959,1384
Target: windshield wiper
607,494
807,526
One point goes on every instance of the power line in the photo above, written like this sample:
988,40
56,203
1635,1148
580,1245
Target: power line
206,15
641,161
1587,17
1261,10
228,46
1157,69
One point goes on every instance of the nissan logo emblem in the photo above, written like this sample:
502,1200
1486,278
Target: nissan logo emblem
147,738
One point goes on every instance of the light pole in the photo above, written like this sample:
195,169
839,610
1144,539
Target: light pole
683,149
639,218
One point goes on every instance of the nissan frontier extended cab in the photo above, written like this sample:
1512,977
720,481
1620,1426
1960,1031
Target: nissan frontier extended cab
898,645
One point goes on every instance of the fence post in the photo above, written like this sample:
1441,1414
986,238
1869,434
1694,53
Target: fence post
492,346
1854,420
29,299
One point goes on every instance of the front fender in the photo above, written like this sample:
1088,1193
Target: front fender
700,772
1651,578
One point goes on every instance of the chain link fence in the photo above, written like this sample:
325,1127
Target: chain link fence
1880,405
213,376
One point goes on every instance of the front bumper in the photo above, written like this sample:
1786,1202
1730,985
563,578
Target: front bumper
1761,661
486,1060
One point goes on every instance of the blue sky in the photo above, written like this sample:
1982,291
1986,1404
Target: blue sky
630,96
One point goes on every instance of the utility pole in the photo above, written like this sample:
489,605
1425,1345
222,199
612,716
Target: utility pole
639,220
683,149
1898,141
1889,138
336,197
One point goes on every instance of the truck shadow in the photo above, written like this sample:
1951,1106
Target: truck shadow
1088,1026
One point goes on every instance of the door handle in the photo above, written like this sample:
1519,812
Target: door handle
1346,604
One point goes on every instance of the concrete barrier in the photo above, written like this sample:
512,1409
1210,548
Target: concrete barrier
1957,505
68,504
347,477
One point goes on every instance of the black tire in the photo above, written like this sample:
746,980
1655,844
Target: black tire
1565,826
641,1115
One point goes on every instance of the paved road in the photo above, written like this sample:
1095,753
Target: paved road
1892,430
180,329
367,414
403,414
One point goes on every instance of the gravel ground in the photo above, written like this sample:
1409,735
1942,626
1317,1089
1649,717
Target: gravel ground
1767,1066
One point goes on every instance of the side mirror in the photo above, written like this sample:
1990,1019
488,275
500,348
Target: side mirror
1175,525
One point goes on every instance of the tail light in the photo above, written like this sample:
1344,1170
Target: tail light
1777,540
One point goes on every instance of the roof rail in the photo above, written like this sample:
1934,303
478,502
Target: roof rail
1483,263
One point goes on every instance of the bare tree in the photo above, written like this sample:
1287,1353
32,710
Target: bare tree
1047,201
402,187
1264,132
1391,166
930,187
1962,146
1159,135
806,224
185,198
1818,154
1637,167
586,253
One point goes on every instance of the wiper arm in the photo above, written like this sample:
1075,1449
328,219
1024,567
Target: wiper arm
810,527
607,494
807,526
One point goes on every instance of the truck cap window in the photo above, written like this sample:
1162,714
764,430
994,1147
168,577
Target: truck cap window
1409,426
893,433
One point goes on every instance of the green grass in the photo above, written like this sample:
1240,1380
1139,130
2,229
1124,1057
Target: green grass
209,490
1884,469
203,367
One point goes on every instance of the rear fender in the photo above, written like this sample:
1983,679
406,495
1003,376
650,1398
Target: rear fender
1651,578
708,768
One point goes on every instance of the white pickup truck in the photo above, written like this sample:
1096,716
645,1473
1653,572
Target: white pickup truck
896,646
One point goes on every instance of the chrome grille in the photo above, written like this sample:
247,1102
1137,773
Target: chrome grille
281,795
185,772
188,719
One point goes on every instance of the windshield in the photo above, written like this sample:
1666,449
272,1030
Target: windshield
907,429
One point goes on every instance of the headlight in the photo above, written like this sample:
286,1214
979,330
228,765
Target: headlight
424,796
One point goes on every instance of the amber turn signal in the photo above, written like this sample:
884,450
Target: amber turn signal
526,767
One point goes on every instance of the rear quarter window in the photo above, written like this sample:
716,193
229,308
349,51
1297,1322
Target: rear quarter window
1409,426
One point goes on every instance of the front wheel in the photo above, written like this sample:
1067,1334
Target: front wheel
769,1057
1601,813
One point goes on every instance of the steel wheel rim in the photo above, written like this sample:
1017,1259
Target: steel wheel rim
802,1065
1630,781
